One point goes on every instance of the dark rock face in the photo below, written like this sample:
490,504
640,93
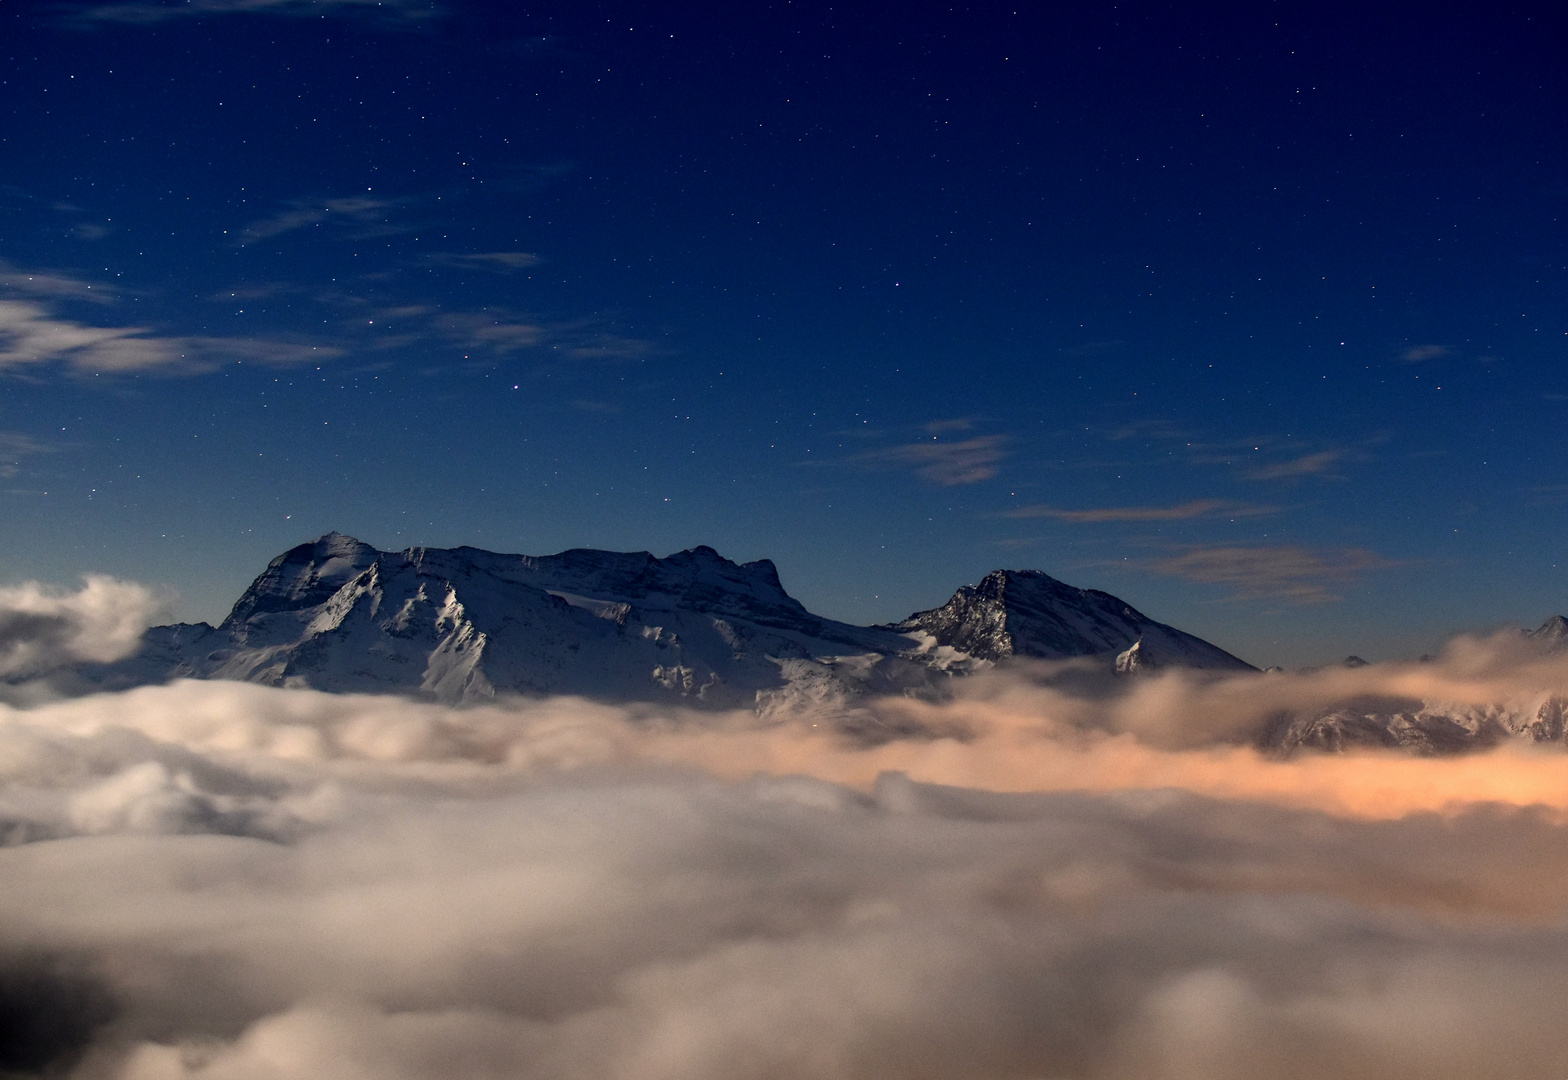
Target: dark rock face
1028,613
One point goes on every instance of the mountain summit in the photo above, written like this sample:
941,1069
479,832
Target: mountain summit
464,624
1028,613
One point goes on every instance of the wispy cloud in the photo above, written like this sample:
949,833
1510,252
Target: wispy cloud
504,333
367,216
1148,429
1293,574
31,335
947,463
601,346
389,11
495,333
945,427
1318,464
1198,508
15,447
55,286
1417,353
497,261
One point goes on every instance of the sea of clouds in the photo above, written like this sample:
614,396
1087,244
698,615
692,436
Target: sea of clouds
1037,879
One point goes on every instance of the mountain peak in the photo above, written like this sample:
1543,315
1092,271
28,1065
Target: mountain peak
1030,613
1553,633
304,576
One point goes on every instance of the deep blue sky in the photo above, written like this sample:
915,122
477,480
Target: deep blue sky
1253,316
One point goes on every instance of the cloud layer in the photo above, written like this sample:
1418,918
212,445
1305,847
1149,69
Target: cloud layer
231,882
42,630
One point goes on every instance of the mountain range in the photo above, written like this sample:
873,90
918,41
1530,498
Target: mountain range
462,624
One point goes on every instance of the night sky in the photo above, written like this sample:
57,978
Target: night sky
1254,316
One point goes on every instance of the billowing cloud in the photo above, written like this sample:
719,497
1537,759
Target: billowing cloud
1187,511
1035,878
1285,572
950,464
44,629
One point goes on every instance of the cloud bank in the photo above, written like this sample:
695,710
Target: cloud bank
231,882
42,630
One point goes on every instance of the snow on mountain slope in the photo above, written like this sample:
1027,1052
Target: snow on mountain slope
465,624
1425,727
1028,613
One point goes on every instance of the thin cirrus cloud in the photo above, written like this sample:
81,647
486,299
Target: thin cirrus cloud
15,447
501,262
502,333
1187,511
142,14
1417,353
949,464
1321,463
33,336
364,216
1285,572
48,285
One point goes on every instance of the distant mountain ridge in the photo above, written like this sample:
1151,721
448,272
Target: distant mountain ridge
1423,727
464,624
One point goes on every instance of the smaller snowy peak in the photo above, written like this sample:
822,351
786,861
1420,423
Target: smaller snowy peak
1132,661
1029,613
1553,633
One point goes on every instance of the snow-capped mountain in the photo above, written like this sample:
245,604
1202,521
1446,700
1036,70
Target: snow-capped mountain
1027,613
465,624
1425,727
